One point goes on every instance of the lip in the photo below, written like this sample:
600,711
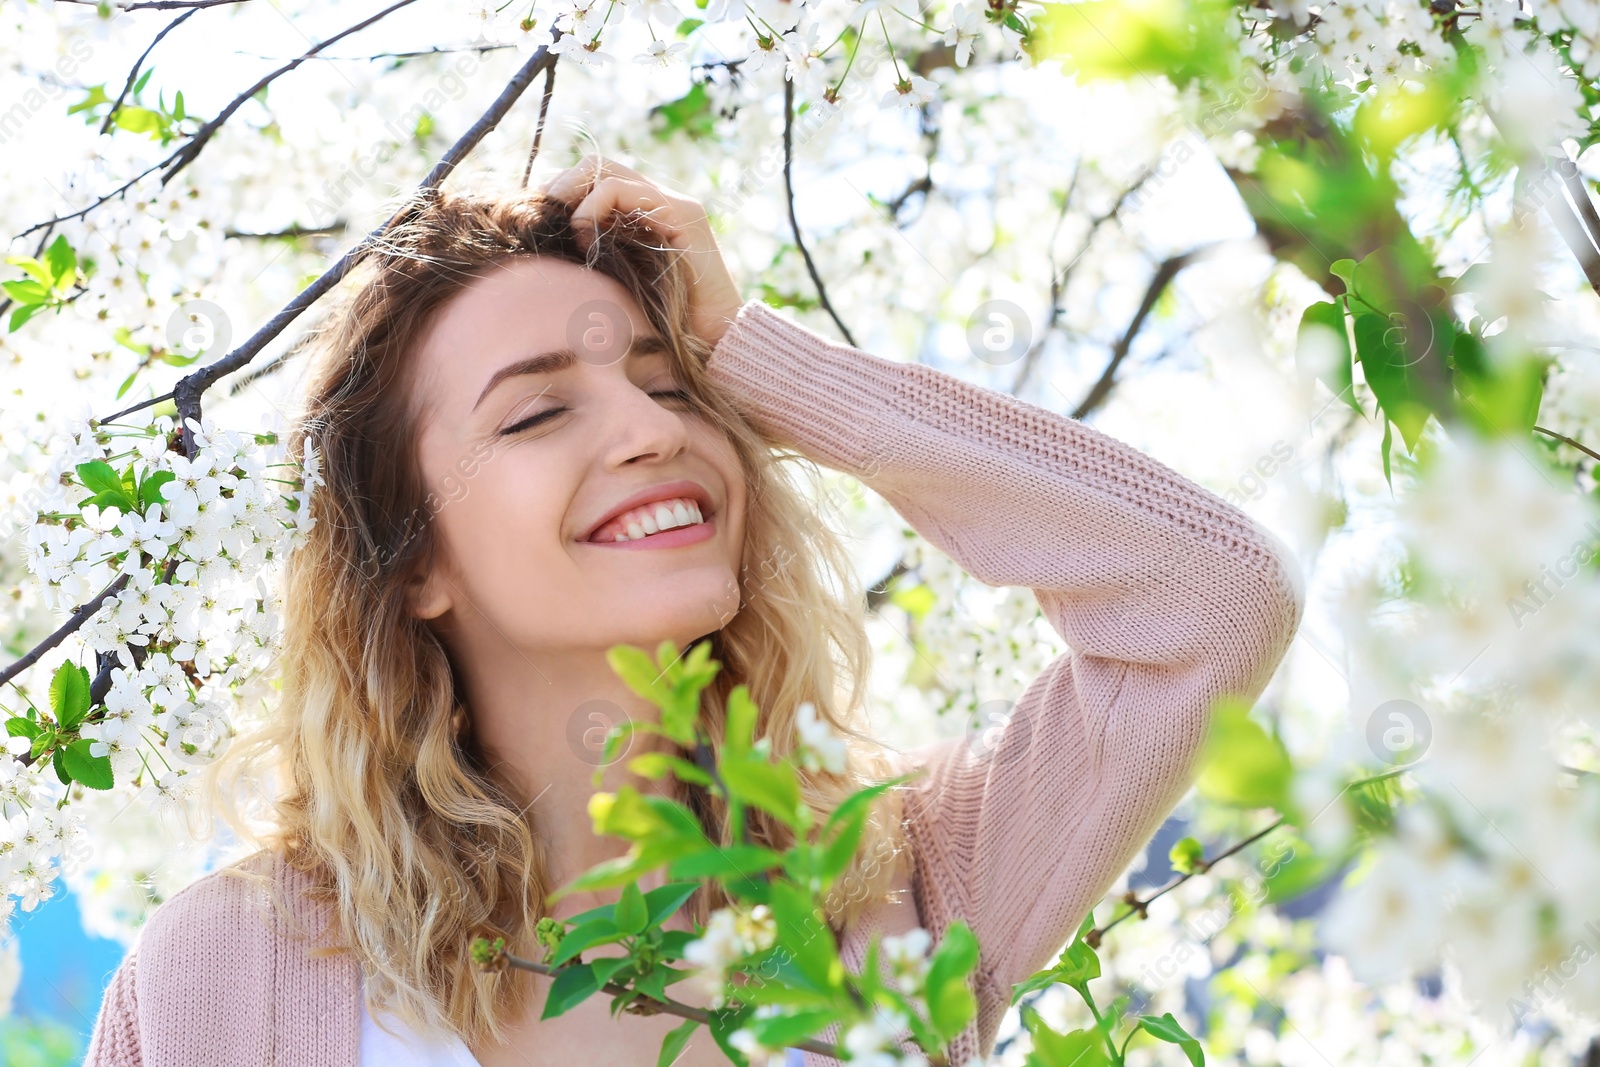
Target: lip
664,491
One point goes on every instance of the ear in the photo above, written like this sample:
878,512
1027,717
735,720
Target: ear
428,594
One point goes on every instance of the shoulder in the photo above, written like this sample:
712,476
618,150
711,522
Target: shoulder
231,927
231,960
253,898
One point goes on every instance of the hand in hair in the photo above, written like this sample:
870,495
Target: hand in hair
602,186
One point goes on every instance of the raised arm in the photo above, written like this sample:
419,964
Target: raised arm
1168,597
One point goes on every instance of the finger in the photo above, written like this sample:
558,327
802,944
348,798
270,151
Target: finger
621,194
573,182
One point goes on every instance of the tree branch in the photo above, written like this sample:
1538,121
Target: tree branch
1138,906
133,75
1164,274
185,154
794,220
538,130
1060,279
189,389
157,5
647,1005
1563,438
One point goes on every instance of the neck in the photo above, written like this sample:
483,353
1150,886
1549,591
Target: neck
542,730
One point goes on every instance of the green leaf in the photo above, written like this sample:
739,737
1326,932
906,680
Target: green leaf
638,672
951,1004
107,485
739,733
586,936
1345,271
34,269
1079,964
150,489
138,120
17,726
92,771
572,986
69,695
632,912
791,1028
26,291
675,1042
1391,373
692,114
744,861
1186,855
688,26
664,901
606,968
1167,1029
21,315
1241,764
60,767
771,787
1323,349
806,936
841,848
1080,1048
62,261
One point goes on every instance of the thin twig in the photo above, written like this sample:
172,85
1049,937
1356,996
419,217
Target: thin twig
133,75
794,220
1059,280
648,1005
84,613
538,131
1139,906
158,5
1163,276
185,154
1564,439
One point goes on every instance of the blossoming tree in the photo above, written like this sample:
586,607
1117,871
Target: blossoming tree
1339,261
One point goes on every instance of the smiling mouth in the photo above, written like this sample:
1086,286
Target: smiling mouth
648,521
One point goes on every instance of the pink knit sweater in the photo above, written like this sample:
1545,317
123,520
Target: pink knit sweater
1168,597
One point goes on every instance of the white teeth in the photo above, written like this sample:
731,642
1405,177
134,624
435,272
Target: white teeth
620,537
635,531
649,523
681,513
666,519
695,509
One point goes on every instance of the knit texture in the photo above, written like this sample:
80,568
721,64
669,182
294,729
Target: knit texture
1167,596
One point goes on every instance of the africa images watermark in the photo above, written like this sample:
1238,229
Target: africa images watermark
35,100
1540,591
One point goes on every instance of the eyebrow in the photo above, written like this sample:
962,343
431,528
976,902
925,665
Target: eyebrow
562,358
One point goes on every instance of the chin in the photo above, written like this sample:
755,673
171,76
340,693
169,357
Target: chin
683,613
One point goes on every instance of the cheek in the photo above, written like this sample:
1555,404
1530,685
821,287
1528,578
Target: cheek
500,508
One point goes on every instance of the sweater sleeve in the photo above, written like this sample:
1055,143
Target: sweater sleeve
115,1040
1167,596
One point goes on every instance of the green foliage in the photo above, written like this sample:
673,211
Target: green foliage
55,737
28,1042
1186,855
1181,39
691,114
790,961
1243,765
159,121
49,283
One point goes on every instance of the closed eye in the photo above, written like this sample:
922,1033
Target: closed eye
545,416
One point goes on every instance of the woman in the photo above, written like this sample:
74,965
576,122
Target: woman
544,434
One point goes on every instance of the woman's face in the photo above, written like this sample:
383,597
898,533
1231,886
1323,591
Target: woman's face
545,405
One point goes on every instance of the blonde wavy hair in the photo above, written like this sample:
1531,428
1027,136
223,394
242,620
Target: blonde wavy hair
377,791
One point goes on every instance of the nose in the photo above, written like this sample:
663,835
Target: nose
640,428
